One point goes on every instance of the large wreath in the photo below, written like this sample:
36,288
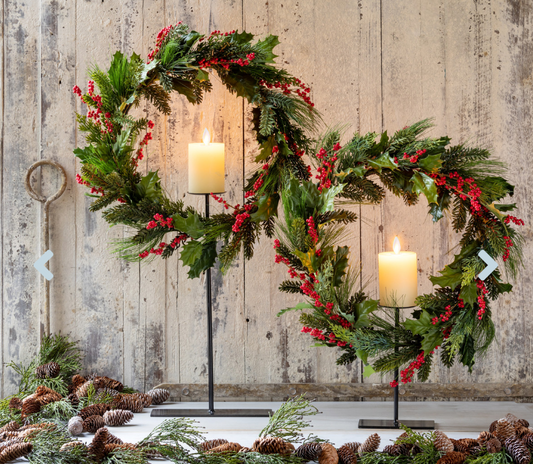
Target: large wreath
463,181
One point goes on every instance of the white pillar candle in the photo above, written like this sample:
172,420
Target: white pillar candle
397,277
206,166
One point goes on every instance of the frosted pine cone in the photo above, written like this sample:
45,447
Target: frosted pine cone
492,426
49,398
75,382
353,445
82,390
442,442
504,430
93,423
329,454
98,409
15,403
71,445
309,451
210,444
520,430
370,445
73,399
468,442
112,447
484,437
453,457
117,417
30,406
524,422
106,382
459,446
97,446
47,371
518,450
511,418
159,395
75,426
225,448
347,456
145,398
15,451
393,450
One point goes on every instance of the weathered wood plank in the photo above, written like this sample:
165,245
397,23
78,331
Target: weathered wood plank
500,391
20,214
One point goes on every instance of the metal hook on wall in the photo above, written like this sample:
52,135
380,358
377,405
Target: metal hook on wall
45,234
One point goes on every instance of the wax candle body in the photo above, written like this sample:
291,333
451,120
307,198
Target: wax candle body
206,168
397,279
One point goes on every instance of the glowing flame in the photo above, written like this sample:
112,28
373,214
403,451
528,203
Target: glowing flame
396,245
206,137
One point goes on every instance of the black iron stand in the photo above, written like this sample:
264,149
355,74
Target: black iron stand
210,371
395,424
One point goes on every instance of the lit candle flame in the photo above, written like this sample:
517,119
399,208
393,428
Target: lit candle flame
206,137
396,245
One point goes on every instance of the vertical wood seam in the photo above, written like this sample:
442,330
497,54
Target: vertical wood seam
2,197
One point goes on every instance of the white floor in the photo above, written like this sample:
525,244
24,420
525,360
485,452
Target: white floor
338,420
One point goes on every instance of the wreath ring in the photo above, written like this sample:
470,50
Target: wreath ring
464,182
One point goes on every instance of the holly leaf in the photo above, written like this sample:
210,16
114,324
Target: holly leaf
192,251
267,207
505,207
358,171
437,209
205,261
306,259
266,47
147,67
191,225
381,146
422,183
449,277
298,307
431,335
266,149
327,198
340,265
384,161
150,187
242,37
469,293
362,355
368,371
363,310
431,163
202,75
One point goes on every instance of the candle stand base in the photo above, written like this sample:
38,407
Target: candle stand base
390,424
215,413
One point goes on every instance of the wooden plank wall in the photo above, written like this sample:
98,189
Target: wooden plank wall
371,64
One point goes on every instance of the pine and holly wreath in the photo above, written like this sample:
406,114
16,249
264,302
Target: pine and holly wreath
463,182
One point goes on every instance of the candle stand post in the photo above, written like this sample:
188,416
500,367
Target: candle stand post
395,423
211,411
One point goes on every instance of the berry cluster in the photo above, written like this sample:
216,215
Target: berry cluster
443,317
203,63
159,251
159,41
220,200
328,164
302,90
508,219
406,376
413,158
97,115
144,141
239,220
481,301
160,221
312,229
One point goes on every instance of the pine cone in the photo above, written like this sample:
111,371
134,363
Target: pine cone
145,398
111,447
370,445
225,448
475,450
44,390
442,442
8,436
469,442
460,446
492,426
159,395
517,450
75,426
106,382
493,446
453,457
82,390
484,437
98,409
393,450
75,382
504,430
49,398
528,441
97,446
511,418
210,444
117,417
93,423
73,399
10,427
30,406
347,456
112,439
521,431
524,422
14,451
47,371
15,403
329,454
310,451
272,445
244,449
354,446
71,445
107,391
131,402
